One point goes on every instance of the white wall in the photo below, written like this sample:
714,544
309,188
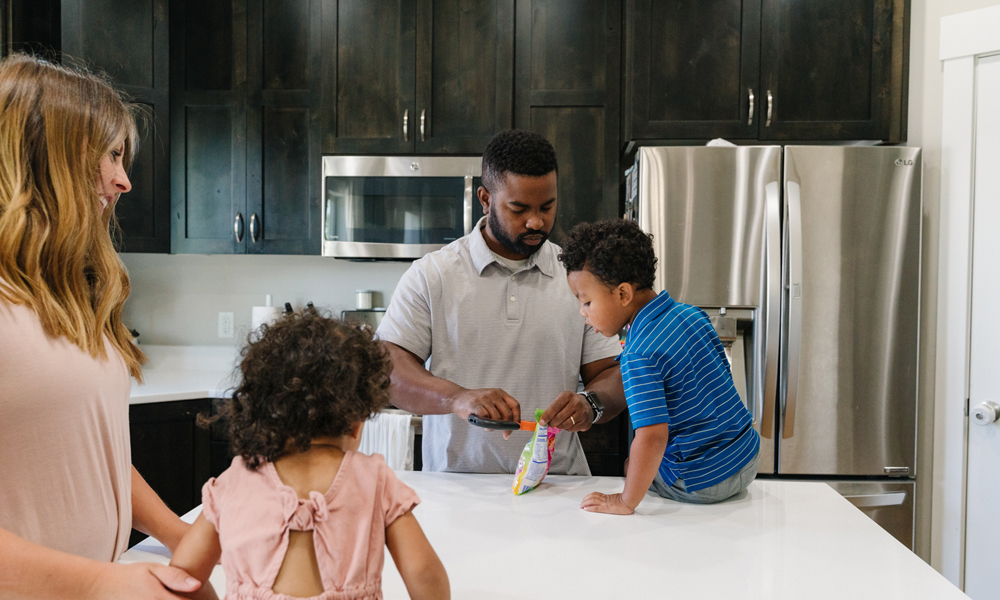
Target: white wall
176,299
925,97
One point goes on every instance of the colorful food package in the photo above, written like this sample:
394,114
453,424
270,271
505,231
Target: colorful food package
535,458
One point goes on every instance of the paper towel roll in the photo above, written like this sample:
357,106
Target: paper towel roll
264,314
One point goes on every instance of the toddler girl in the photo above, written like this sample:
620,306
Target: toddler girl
300,513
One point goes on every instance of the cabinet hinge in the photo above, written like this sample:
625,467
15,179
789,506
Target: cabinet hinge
966,407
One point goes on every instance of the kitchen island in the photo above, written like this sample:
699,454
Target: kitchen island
778,540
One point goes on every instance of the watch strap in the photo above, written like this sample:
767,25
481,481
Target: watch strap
595,404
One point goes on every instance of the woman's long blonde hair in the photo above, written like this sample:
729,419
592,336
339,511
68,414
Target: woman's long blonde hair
56,254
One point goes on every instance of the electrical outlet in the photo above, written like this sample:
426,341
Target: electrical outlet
226,326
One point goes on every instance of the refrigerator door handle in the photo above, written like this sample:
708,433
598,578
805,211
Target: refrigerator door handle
877,500
794,216
766,393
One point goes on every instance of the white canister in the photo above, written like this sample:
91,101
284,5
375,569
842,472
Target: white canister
364,299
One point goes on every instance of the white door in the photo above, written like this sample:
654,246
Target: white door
982,541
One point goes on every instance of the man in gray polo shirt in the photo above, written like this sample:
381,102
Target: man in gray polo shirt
503,331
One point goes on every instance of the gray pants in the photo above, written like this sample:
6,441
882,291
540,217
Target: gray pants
727,488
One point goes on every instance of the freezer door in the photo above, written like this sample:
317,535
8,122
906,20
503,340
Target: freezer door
714,213
851,311
890,504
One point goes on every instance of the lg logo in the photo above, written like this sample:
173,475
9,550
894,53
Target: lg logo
904,163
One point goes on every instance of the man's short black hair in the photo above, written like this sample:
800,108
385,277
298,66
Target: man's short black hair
615,251
519,152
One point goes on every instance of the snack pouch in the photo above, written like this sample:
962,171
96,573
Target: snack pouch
535,458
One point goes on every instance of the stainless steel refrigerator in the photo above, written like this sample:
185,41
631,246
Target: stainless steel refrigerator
807,259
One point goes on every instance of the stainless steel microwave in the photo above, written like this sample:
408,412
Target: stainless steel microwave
397,207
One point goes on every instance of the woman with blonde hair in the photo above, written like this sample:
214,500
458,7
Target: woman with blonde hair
69,495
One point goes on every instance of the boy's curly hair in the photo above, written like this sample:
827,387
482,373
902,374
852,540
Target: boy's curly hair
615,251
304,376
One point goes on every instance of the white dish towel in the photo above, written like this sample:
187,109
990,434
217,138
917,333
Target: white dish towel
390,434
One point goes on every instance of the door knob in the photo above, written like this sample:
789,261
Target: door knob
985,413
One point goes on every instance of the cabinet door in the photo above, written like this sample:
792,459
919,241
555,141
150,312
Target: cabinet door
368,76
827,65
283,153
208,126
138,63
567,88
170,451
692,69
465,74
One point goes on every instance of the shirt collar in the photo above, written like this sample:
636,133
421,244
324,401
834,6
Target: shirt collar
545,259
654,308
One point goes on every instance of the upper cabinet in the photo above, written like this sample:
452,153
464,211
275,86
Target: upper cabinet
416,76
833,69
692,69
245,128
568,89
138,63
766,69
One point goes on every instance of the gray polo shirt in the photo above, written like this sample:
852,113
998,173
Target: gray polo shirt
483,326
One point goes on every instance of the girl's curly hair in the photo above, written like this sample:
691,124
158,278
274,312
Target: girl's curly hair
614,251
304,376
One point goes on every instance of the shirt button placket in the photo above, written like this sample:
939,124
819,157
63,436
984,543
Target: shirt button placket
513,314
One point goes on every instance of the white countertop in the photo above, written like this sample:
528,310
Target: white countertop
184,373
779,540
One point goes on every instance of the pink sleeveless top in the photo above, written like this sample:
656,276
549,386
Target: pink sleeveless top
253,512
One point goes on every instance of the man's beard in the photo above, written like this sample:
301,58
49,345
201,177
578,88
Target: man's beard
517,246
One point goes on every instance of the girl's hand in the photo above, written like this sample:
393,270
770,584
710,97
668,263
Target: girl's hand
142,580
612,504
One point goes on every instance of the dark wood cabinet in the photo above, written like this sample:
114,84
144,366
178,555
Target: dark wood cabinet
416,76
208,64
693,69
568,58
171,452
283,127
606,447
766,69
138,63
245,127
827,69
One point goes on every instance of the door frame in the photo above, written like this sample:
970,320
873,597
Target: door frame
964,38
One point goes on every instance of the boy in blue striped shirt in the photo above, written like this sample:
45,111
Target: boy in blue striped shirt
694,438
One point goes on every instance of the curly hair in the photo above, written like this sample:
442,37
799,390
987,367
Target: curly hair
304,376
615,251
519,152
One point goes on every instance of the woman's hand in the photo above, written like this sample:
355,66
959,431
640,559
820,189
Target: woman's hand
612,504
149,581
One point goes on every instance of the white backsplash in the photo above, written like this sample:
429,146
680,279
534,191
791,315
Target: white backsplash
176,299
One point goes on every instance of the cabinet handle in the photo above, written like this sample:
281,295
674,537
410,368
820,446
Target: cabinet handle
253,228
423,120
770,103
406,125
238,227
750,119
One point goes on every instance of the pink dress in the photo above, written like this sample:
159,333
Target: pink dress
253,512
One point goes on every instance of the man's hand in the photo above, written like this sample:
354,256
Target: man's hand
489,403
611,504
570,412
142,580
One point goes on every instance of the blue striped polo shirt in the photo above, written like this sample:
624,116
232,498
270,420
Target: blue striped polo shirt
675,371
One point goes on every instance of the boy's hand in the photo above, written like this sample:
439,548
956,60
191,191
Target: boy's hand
611,504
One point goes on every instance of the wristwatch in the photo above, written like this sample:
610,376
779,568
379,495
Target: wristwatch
595,403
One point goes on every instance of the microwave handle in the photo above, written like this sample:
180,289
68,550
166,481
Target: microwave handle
467,205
